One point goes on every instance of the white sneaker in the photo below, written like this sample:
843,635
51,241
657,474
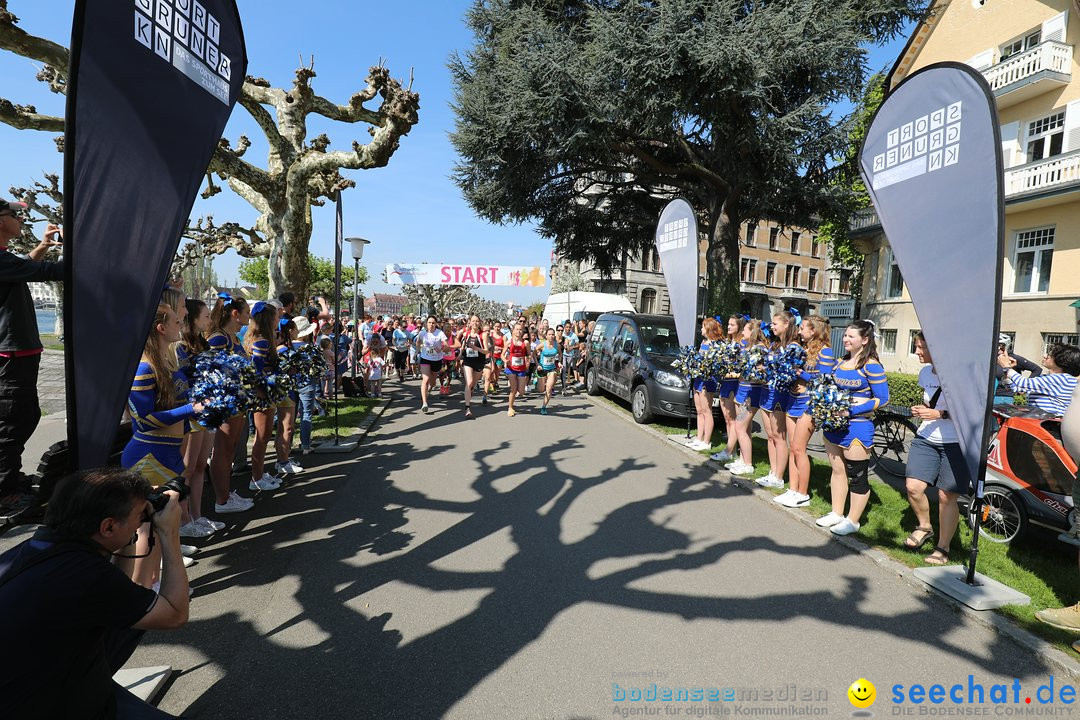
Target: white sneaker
266,482
294,468
234,504
827,521
770,481
845,527
794,499
212,524
741,469
721,456
188,550
733,463
194,530
700,445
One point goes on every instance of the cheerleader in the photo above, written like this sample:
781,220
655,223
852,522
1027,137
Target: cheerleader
775,401
159,411
748,397
814,335
287,342
861,374
704,389
259,342
199,440
727,389
226,319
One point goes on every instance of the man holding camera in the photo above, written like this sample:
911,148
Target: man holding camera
70,613
20,348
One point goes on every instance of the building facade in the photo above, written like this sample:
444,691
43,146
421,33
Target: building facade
1026,50
381,304
778,268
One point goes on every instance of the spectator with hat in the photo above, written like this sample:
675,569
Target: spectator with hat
306,407
20,347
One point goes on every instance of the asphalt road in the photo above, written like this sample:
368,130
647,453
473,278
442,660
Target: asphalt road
521,568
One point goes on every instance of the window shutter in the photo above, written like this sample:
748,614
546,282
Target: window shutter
1010,145
983,60
1072,126
1054,28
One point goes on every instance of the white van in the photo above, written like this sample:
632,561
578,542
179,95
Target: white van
583,306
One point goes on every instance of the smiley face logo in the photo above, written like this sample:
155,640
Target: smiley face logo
862,693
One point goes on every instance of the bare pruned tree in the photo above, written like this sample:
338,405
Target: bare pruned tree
299,174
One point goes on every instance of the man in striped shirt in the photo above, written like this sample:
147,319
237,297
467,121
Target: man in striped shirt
1052,390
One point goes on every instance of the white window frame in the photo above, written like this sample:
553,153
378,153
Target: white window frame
1020,44
1036,241
911,341
1043,131
1051,339
886,290
884,348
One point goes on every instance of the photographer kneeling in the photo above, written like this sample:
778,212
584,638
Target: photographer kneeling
70,616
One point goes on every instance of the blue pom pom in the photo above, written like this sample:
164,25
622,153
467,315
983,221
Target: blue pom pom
830,405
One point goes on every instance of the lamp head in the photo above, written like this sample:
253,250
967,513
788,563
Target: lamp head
358,244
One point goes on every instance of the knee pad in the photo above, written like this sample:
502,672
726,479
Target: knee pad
858,472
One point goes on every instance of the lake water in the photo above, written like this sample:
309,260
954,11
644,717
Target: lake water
46,321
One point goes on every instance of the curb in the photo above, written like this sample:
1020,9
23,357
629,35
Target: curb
1053,657
361,432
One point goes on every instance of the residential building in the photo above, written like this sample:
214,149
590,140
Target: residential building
45,294
1026,50
778,268
380,304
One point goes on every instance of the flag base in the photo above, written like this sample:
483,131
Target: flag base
985,594
145,682
335,445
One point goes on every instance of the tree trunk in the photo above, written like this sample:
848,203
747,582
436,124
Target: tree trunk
722,257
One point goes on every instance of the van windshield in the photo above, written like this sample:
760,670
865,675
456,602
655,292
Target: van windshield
659,339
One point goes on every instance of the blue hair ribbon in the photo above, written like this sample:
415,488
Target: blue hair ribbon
225,296
796,314
283,322
258,307
765,330
718,319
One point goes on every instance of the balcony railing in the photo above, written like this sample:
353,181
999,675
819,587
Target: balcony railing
864,219
752,287
1015,78
794,292
1055,172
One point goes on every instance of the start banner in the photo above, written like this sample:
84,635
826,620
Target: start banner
436,274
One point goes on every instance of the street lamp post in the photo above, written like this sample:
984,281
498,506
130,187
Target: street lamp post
357,244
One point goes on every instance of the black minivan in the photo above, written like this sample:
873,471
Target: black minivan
630,356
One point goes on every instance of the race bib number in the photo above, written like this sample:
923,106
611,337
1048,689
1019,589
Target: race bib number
471,352
517,362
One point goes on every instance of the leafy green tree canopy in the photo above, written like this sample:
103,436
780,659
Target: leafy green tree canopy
587,116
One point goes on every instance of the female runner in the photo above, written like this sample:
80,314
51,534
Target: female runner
814,334
774,404
727,388
260,341
861,374
497,347
430,342
748,396
227,317
159,412
516,356
547,360
704,389
473,358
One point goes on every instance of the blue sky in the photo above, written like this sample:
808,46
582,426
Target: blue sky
410,210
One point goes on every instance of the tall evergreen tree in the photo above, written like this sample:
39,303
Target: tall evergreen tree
587,116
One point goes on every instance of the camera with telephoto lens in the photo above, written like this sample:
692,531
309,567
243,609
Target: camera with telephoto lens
157,497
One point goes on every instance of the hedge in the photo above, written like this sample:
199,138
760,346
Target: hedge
904,389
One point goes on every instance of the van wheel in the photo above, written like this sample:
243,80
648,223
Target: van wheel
641,405
591,385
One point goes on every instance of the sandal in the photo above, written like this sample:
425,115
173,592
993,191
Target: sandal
914,543
940,556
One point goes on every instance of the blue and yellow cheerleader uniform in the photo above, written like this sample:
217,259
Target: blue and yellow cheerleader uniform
730,386
750,393
705,384
223,341
869,391
777,399
800,402
154,449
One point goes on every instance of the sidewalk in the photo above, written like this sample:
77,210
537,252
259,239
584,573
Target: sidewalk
53,401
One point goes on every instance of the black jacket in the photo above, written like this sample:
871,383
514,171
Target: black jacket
18,323
1022,364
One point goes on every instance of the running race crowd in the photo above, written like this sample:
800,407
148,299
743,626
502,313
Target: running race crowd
934,459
